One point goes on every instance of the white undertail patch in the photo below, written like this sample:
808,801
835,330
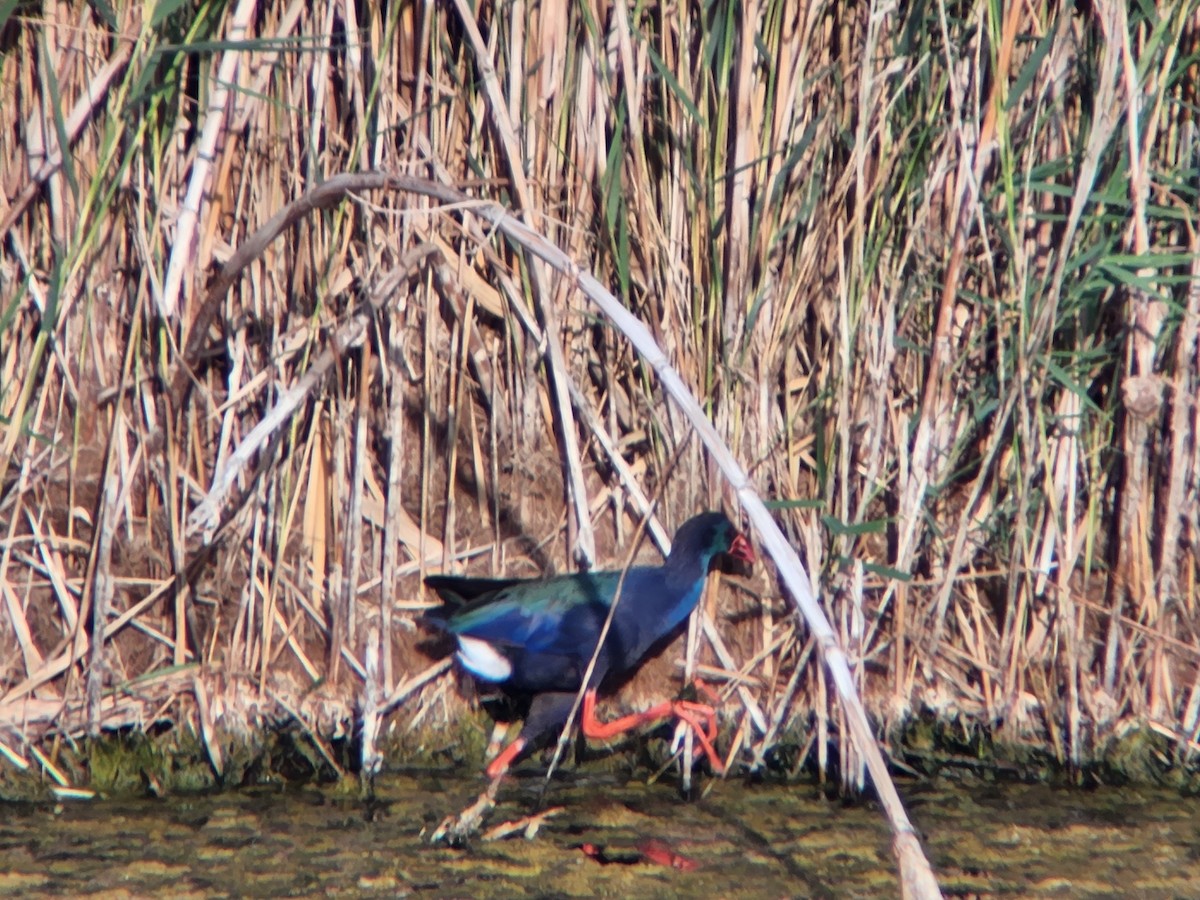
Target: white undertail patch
482,659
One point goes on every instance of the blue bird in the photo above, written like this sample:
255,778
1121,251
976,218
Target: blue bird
535,637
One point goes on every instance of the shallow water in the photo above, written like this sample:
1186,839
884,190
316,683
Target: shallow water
745,841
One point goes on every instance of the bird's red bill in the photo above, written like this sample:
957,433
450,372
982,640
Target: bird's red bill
742,550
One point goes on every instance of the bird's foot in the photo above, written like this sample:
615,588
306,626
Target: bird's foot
701,720
528,825
456,830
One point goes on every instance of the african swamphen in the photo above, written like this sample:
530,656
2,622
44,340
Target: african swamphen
536,637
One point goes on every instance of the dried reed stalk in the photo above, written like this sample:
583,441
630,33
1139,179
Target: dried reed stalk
894,250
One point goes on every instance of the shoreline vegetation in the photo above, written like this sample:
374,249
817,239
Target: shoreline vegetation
936,282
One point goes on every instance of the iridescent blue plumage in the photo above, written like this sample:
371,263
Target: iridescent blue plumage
537,637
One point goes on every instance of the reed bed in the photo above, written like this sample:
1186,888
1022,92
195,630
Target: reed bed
932,270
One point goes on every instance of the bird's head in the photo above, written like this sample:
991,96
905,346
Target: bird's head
704,537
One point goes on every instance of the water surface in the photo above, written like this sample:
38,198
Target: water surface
744,840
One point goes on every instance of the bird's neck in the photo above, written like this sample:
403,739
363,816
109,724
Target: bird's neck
684,582
683,571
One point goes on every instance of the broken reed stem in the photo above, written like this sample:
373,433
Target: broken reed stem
906,844
807,224
772,539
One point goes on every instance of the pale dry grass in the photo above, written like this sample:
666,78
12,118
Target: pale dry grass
935,279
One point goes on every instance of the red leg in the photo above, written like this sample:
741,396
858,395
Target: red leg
688,711
498,766
706,711
594,728
705,739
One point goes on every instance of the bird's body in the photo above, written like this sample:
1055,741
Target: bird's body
537,637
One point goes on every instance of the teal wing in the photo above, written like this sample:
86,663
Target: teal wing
550,616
